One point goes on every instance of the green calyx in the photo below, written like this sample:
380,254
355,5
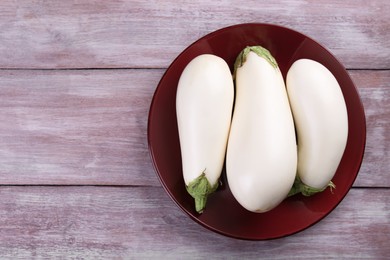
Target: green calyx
300,187
200,189
260,51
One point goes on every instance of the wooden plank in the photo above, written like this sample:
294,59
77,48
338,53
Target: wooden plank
142,222
76,127
89,127
374,88
149,34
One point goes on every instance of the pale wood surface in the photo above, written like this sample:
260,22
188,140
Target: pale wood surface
89,126
76,126
76,82
141,222
150,34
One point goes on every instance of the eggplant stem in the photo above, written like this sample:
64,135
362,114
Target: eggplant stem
200,188
300,187
260,51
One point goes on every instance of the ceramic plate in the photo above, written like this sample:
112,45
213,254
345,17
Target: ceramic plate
223,214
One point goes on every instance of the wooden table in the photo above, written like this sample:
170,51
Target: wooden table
76,82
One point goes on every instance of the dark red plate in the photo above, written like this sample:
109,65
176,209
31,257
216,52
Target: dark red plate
223,214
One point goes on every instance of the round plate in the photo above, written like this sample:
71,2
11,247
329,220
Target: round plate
223,214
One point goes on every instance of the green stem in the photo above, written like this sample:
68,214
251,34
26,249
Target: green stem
300,187
200,189
260,51
200,203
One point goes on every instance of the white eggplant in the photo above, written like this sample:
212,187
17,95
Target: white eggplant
204,103
321,121
261,160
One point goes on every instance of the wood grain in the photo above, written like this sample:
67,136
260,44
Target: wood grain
149,34
107,222
90,127
374,88
76,127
